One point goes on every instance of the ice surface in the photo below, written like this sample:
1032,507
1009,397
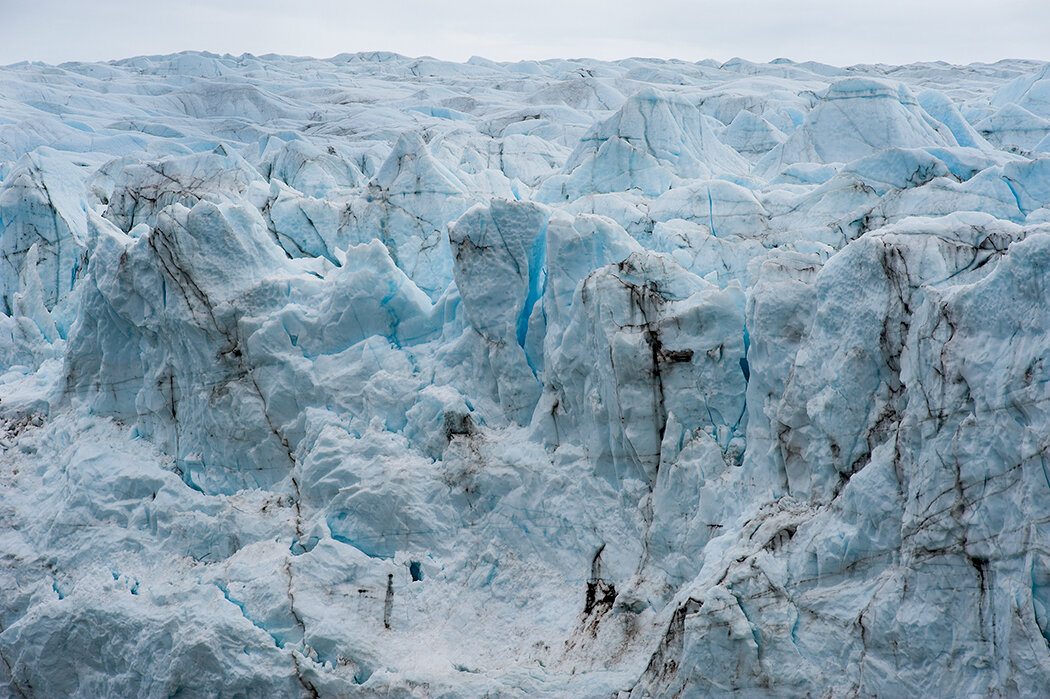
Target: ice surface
386,376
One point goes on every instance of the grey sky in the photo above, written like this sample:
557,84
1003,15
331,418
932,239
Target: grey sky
834,31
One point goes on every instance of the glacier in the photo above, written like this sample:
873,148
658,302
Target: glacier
390,376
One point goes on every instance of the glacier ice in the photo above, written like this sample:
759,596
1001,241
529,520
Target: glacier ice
383,376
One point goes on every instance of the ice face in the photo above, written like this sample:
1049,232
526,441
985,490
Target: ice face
392,376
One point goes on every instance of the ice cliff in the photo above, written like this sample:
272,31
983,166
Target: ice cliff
382,376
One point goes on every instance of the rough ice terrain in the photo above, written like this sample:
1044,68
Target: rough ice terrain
382,376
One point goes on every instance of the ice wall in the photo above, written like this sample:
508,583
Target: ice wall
378,376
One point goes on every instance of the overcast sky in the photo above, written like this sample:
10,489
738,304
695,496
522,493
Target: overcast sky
840,32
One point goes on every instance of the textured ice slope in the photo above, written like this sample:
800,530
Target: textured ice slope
389,376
